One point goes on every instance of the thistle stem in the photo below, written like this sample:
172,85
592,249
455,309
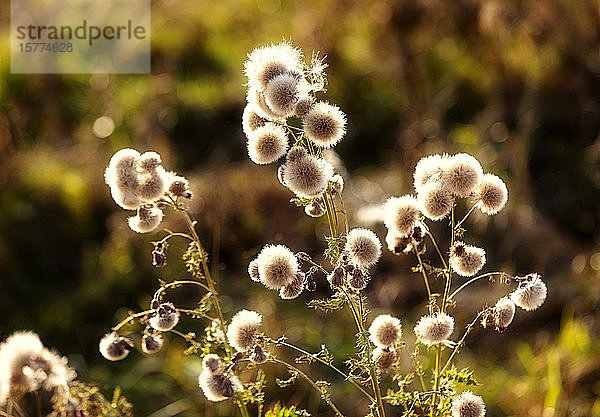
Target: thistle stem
311,382
472,280
462,340
466,215
425,278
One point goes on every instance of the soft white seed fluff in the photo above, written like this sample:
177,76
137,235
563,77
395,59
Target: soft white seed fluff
435,202
468,404
336,184
114,347
147,219
293,289
385,331
461,174
384,357
122,177
324,124
466,260
166,317
308,176
148,161
218,386
303,106
434,328
257,100
296,153
211,362
531,295
491,194
154,183
267,62
504,312
398,244
151,343
251,120
400,214
253,271
314,209
179,186
267,144
243,330
428,169
363,247
282,93
277,266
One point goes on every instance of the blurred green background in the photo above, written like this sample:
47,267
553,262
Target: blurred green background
515,83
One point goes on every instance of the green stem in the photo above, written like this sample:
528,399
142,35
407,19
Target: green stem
318,359
436,385
132,317
311,382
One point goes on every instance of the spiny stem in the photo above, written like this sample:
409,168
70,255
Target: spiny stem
311,382
318,359
469,282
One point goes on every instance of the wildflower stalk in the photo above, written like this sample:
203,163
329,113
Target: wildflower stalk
320,360
312,383
472,280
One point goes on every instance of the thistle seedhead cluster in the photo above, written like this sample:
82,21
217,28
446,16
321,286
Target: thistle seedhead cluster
468,404
466,260
139,182
217,383
243,330
434,328
27,366
531,293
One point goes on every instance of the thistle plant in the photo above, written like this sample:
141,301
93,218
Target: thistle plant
285,121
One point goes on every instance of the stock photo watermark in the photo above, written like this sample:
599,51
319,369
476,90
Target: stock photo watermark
81,36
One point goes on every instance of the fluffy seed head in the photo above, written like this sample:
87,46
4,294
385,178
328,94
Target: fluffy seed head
429,169
385,331
504,312
435,201
336,184
253,271
148,161
358,279
308,176
251,120
491,194
293,289
114,347
179,186
280,172
363,247
277,266
218,386
466,260
462,174
257,100
243,330
122,177
384,357
468,404
267,144
282,94
303,106
147,219
531,293
401,214
336,278
153,184
211,362
324,124
314,209
434,328
398,244
296,153
152,343
267,62
166,317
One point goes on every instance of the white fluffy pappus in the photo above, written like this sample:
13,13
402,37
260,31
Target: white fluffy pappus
147,219
283,93
531,294
122,177
257,100
251,120
218,386
435,202
363,247
385,331
153,184
462,172
384,357
434,328
429,168
151,343
114,347
466,260
324,124
267,62
491,194
277,266
307,176
504,313
400,214
267,144
468,404
165,318
243,330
